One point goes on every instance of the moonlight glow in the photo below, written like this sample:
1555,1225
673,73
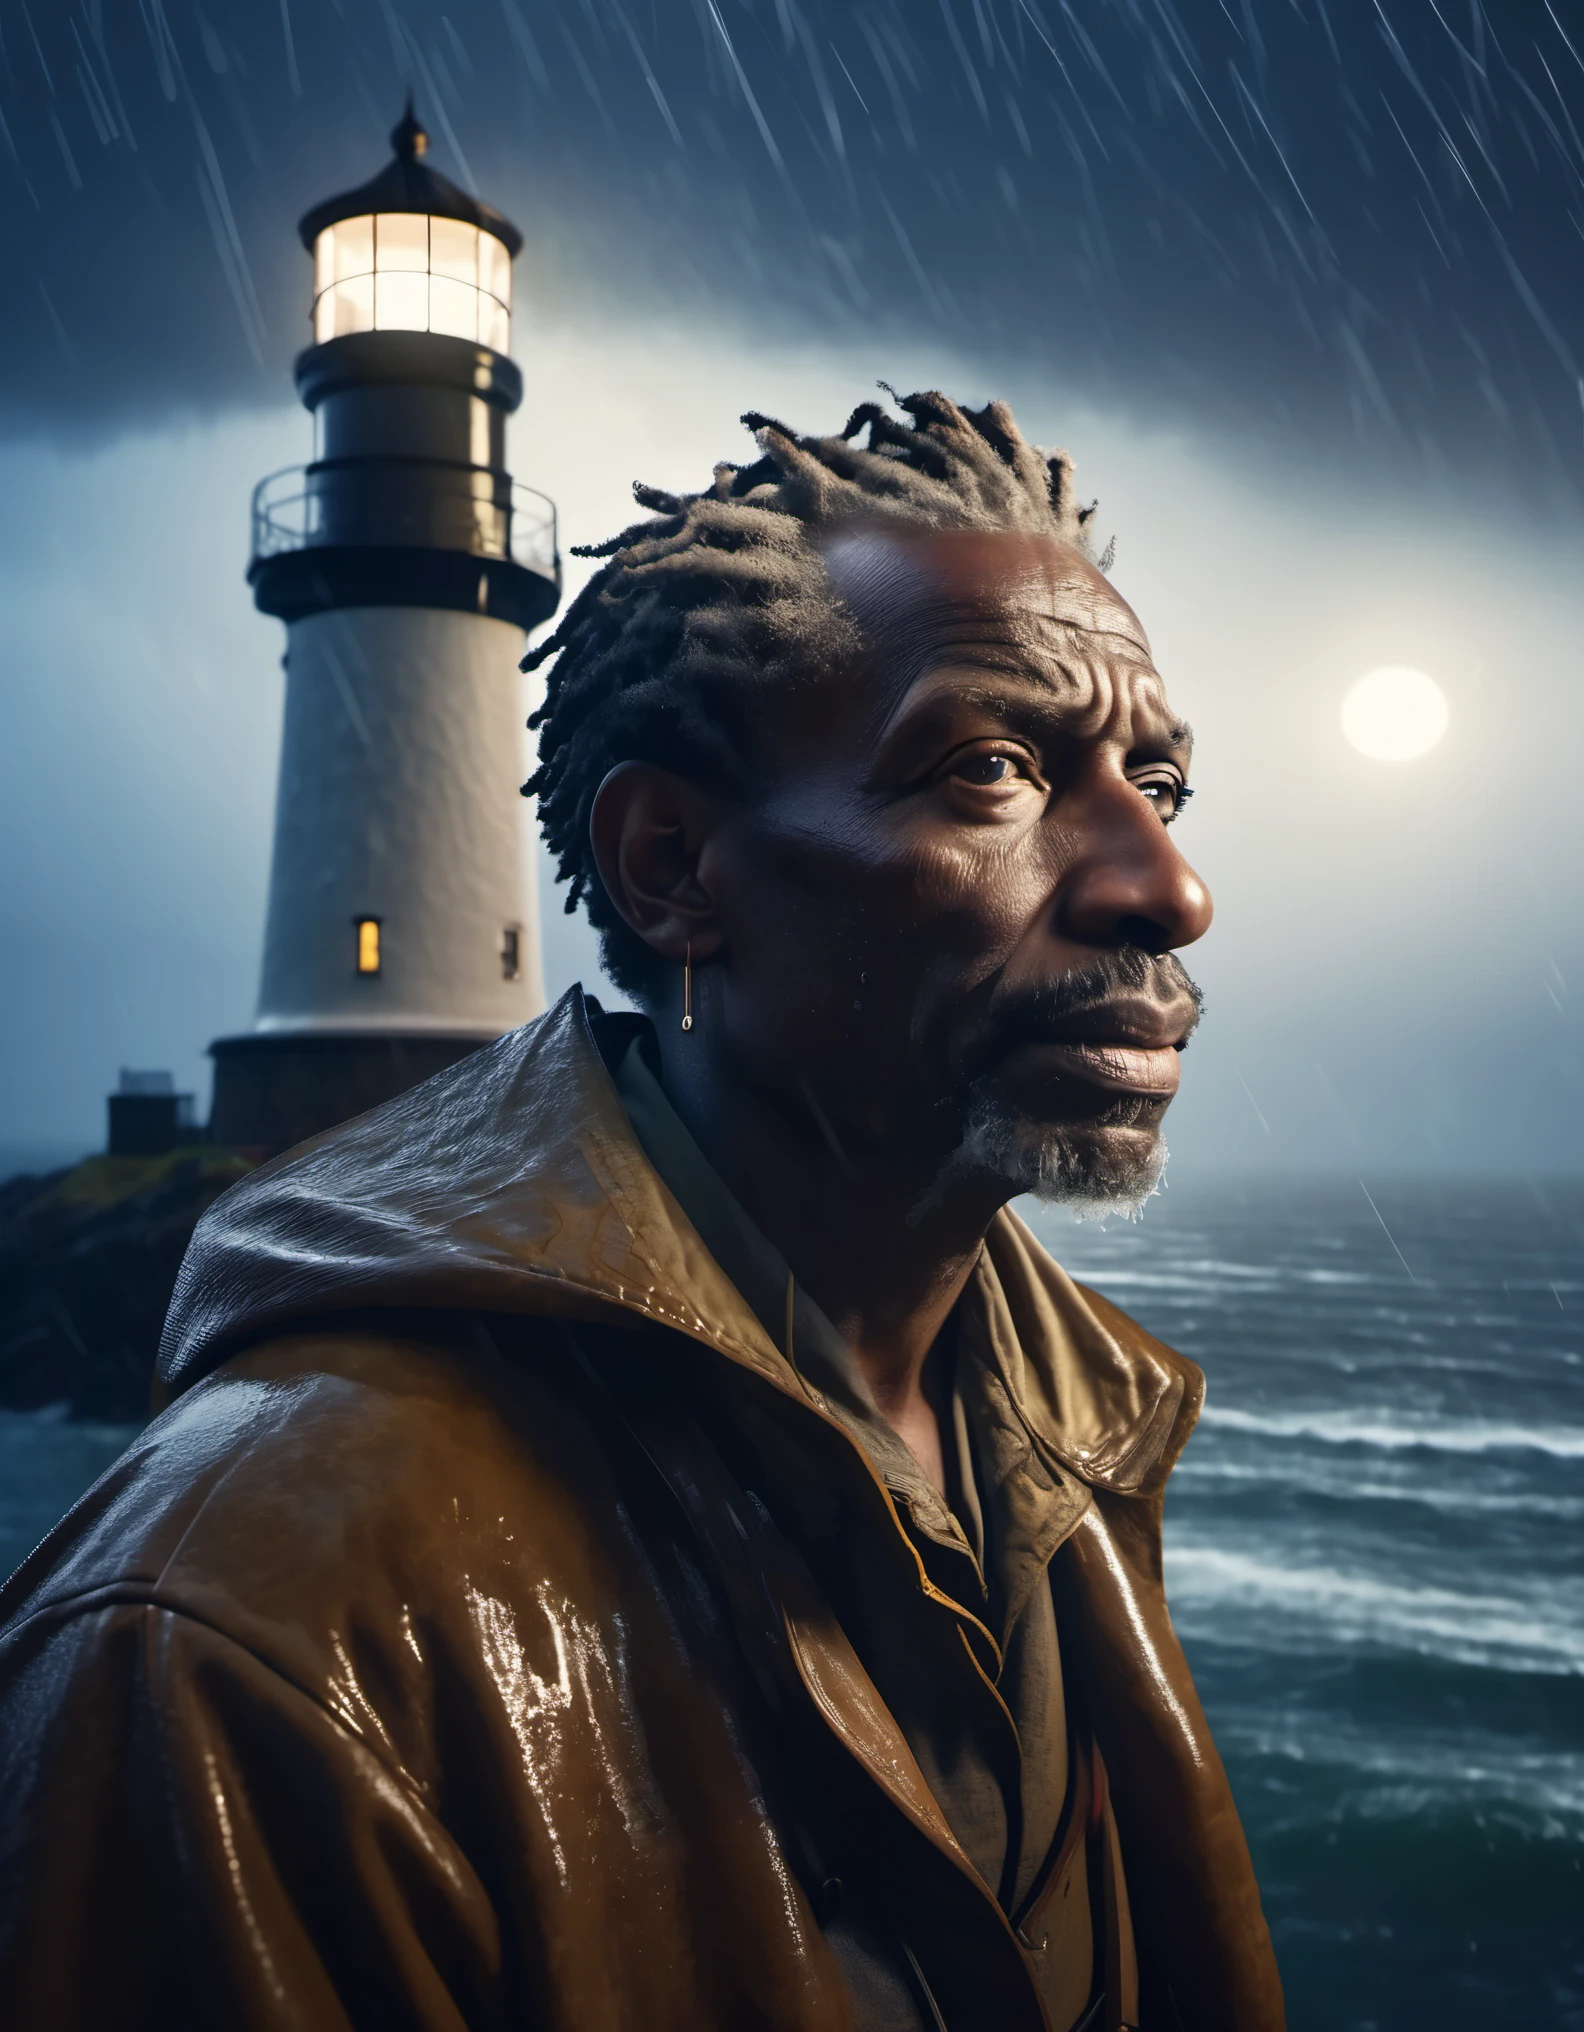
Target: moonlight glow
1394,713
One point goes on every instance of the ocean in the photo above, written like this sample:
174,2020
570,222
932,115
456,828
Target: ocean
1374,1557
1374,1560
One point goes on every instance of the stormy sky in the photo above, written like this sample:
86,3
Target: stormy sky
1300,283
1352,226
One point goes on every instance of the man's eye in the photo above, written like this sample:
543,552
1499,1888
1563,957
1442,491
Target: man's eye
986,769
1168,794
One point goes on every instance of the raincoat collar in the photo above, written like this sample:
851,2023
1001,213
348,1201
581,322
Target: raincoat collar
512,1183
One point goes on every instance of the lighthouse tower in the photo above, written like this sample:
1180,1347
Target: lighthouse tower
408,566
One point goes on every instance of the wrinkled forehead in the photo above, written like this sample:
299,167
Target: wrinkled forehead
919,595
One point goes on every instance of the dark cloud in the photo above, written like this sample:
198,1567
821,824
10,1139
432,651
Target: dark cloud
1356,225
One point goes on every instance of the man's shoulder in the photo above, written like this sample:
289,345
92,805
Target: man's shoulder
1128,1331
1115,1404
354,1476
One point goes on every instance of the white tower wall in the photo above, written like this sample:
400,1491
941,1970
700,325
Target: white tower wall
398,800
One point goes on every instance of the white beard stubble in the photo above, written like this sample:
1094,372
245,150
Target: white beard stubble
1059,1163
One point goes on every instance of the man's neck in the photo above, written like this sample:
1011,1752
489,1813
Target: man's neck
882,1247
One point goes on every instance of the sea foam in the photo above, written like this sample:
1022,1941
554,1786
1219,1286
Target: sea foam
1364,1428
1212,1587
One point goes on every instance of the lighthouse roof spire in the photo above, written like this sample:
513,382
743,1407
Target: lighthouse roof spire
408,184
407,137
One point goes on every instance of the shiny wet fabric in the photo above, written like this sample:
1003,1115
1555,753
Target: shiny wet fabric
436,1660
992,1744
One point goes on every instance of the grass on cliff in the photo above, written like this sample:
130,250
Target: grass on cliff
100,1183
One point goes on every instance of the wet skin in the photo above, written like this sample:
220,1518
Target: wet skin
940,841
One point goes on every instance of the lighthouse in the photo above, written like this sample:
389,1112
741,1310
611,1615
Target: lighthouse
408,567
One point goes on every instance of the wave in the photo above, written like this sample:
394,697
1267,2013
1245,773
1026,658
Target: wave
1205,1274
1321,1478
1362,1428
1492,1630
1401,1768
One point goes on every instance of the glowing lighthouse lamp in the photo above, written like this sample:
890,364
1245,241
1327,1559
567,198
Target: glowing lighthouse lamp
407,566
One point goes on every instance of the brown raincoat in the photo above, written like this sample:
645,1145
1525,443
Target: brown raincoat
435,1660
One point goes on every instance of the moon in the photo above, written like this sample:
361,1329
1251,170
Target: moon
1394,714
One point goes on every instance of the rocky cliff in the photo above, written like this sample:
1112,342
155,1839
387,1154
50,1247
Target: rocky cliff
88,1259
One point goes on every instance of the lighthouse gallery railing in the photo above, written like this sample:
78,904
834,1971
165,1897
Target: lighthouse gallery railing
400,503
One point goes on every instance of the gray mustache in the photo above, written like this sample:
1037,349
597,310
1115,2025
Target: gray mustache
1040,1015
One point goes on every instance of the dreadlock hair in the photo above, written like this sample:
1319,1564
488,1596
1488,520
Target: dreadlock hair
707,606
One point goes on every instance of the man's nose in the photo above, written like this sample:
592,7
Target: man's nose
1129,885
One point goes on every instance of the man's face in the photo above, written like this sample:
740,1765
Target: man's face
948,913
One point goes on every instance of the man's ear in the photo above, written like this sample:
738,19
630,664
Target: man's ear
651,832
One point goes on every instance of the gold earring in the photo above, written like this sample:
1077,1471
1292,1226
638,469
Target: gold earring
687,988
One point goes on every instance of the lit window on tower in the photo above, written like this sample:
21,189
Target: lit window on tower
408,272
368,944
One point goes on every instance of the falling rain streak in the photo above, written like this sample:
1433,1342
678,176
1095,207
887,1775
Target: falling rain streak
1287,220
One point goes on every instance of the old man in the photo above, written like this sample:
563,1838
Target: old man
641,1536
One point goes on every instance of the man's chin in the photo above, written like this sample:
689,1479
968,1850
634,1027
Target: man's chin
1095,1168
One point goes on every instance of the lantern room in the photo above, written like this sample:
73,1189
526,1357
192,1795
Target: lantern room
410,252
410,381
412,272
